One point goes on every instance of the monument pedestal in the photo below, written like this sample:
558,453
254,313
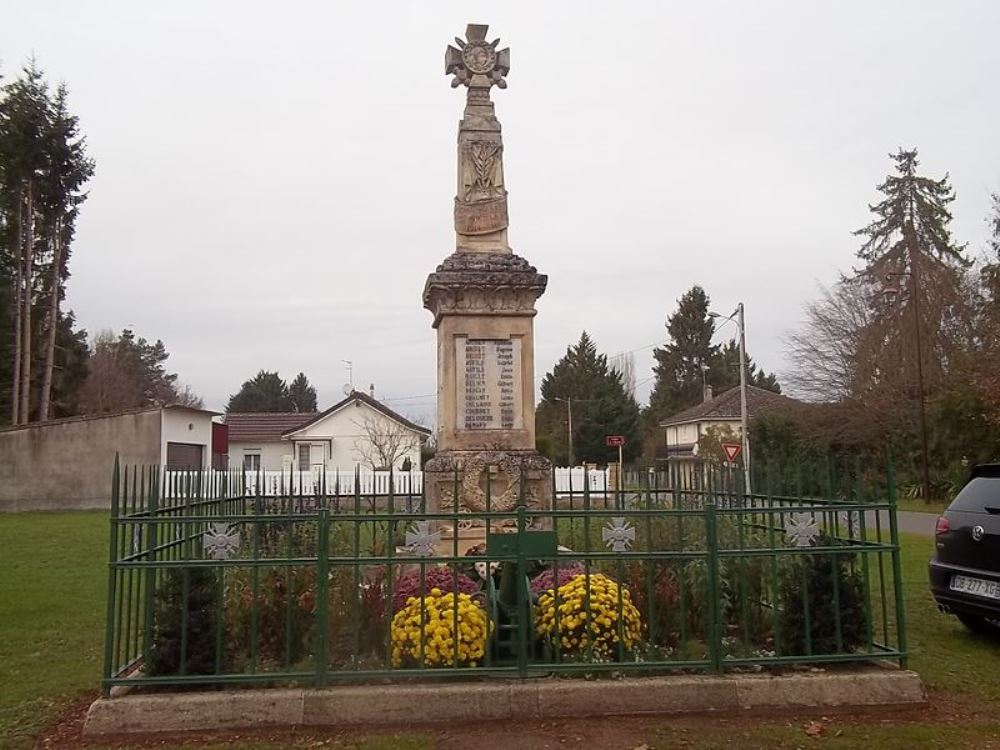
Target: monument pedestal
483,298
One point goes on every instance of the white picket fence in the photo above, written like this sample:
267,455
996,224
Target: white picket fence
281,483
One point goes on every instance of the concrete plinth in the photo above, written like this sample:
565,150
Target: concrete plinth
407,704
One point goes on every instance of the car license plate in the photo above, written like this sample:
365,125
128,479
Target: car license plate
975,586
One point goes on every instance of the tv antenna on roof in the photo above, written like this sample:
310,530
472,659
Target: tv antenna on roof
349,385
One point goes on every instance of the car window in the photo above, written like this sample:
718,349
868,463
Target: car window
980,492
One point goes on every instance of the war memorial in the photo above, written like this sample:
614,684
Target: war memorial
487,595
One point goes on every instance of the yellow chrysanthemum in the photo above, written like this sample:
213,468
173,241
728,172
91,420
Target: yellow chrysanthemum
590,612
424,631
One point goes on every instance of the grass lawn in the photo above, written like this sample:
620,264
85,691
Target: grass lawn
52,599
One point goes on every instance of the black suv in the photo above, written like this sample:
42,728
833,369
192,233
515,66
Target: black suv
965,569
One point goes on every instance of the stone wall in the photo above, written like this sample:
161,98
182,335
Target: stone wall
67,465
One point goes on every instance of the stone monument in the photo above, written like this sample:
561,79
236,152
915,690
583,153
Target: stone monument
483,301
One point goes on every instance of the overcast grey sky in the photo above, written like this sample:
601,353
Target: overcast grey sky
275,180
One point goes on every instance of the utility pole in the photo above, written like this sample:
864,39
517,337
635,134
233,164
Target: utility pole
744,427
744,419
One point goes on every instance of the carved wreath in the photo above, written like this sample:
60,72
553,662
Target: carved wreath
473,495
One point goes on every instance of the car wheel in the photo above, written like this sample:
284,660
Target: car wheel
980,625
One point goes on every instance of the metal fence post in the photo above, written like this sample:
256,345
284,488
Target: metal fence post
712,579
109,634
322,584
897,583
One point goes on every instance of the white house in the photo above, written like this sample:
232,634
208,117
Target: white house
683,430
358,431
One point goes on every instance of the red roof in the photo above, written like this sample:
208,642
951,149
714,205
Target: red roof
264,427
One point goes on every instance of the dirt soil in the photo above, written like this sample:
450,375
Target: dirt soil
629,732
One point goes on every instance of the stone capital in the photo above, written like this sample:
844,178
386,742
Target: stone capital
470,283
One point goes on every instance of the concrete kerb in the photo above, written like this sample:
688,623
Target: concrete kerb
394,705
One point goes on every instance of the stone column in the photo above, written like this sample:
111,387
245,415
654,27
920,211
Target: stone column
483,301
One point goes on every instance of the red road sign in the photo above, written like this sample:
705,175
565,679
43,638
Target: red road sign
614,441
732,450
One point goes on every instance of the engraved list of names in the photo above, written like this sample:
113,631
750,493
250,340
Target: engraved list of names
489,384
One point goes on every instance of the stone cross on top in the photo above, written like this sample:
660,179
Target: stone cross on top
481,197
477,63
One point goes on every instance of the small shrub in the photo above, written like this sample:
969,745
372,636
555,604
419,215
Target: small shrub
661,611
281,593
170,610
815,574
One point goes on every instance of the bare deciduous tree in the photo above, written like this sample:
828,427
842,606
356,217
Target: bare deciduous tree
824,352
385,441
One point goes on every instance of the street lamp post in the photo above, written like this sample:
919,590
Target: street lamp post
569,431
744,427
889,294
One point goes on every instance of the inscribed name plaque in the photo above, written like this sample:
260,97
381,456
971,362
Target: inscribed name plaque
489,384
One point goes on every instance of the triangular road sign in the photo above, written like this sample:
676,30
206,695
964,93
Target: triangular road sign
732,450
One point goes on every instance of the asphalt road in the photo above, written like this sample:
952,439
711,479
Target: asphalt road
909,522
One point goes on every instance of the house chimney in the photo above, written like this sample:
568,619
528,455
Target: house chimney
706,393
371,390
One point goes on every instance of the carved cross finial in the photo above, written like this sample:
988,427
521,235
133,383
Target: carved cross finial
477,63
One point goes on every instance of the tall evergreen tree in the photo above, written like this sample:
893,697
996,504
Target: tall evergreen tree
689,361
680,364
61,195
43,167
601,406
265,391
302,394
908,247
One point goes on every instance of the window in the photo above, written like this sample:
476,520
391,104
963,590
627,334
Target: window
251,462
981,493
304,462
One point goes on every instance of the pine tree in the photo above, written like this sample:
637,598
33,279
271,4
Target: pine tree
679,365
265,391
600,403
724,370
43,167
61,195
908,248
126,372
302,394
912,220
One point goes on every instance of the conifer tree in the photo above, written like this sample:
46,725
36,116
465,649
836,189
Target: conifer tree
908,251
302,394
689,361
265,391
679,364
43,168
600,403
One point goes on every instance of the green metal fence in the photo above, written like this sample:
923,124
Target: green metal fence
671,571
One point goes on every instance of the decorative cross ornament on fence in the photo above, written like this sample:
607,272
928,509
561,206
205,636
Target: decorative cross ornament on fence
850,521
221,541
801,529
420,540
618,535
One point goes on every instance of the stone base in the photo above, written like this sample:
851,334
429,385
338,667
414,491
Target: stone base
468,474
500,700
